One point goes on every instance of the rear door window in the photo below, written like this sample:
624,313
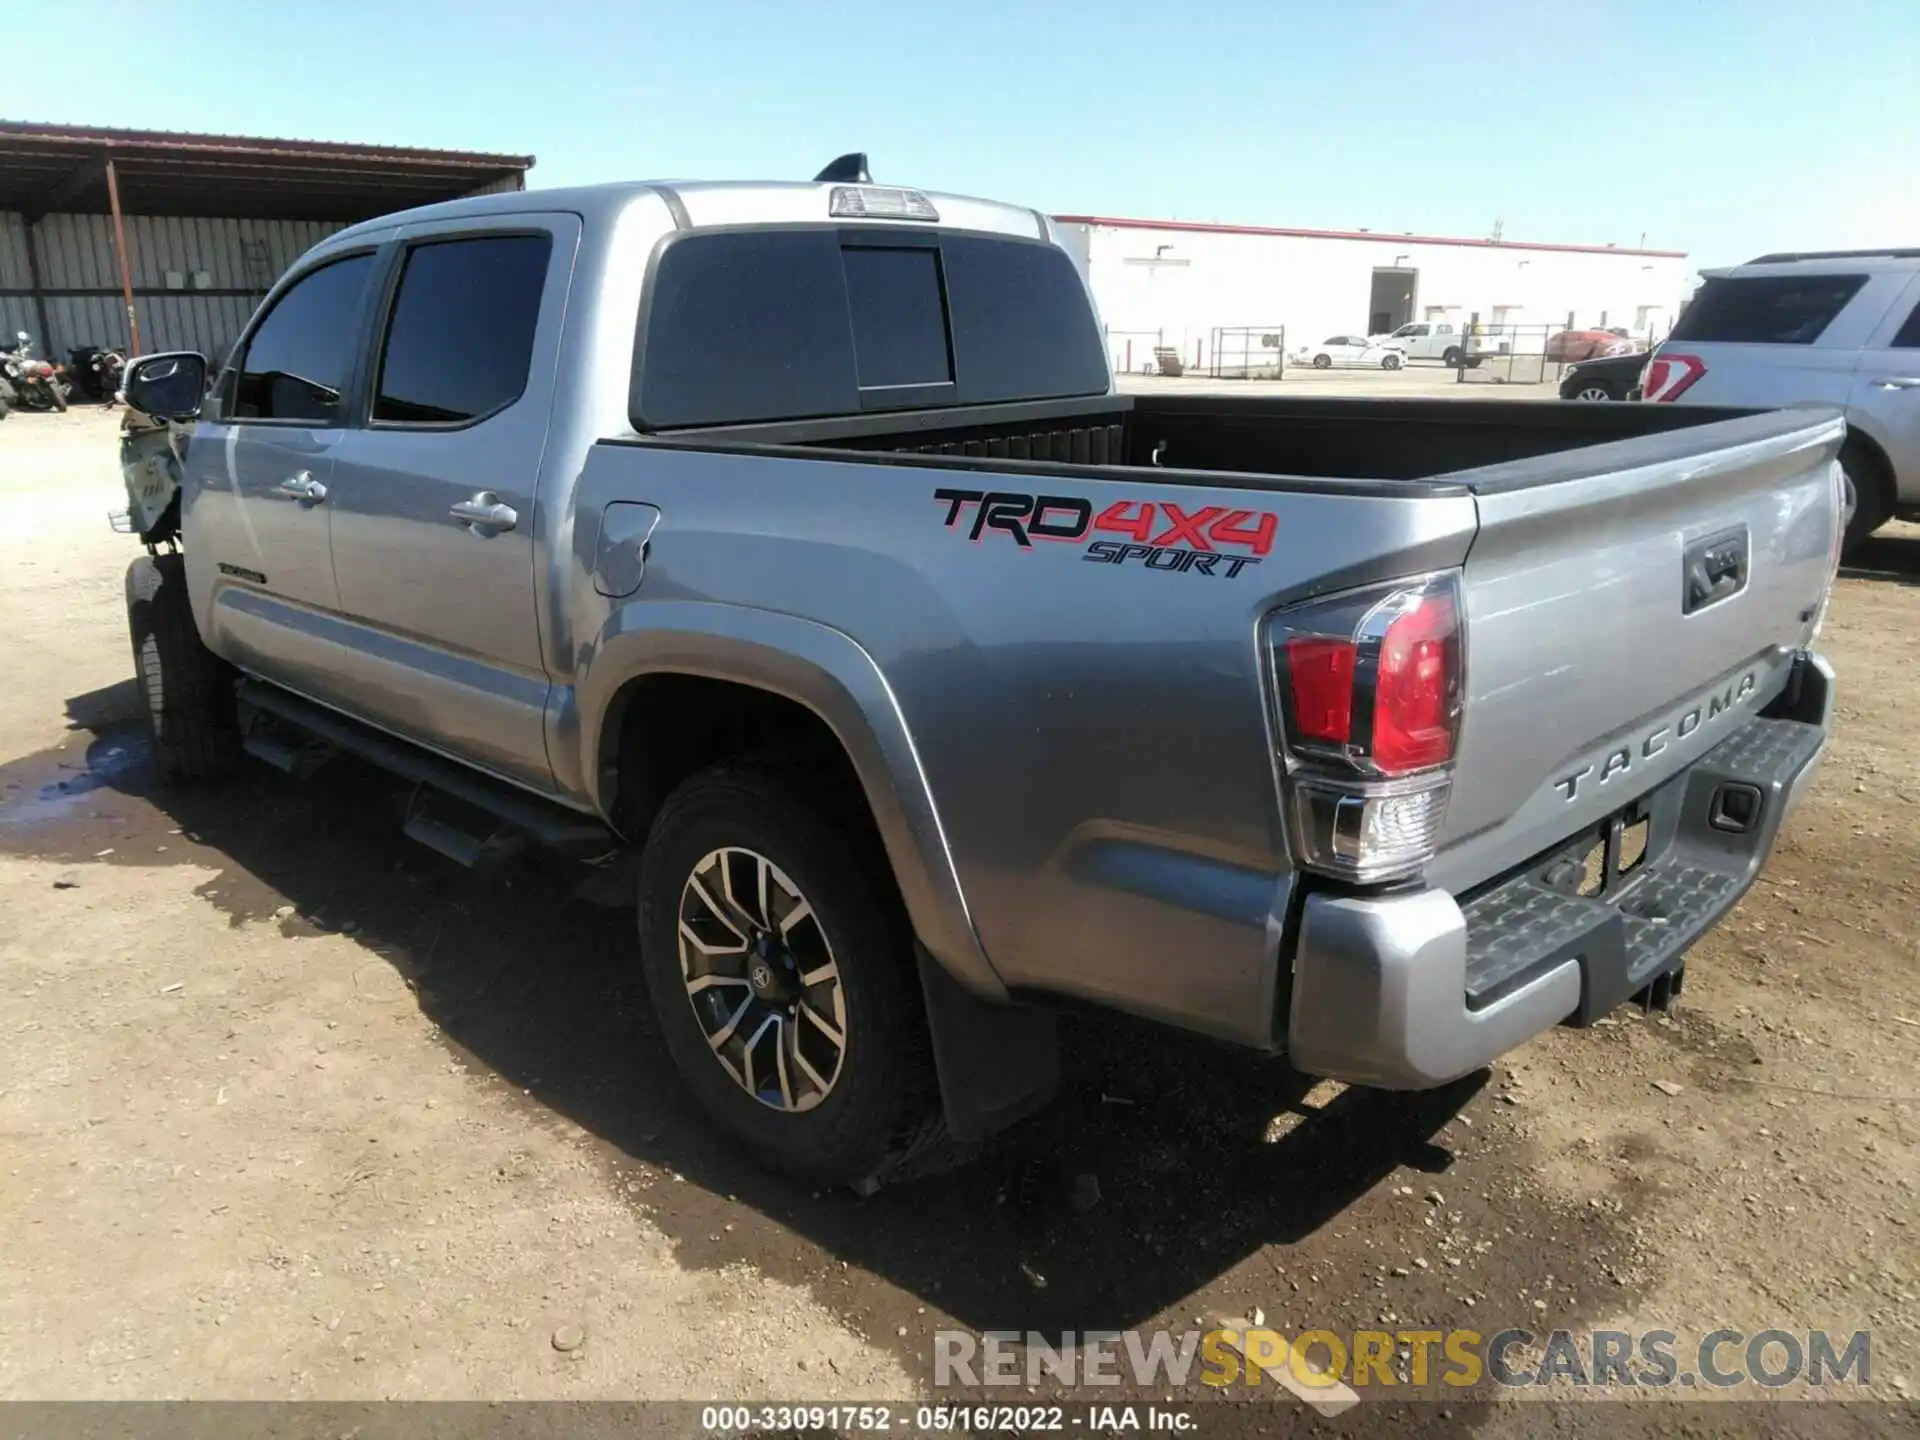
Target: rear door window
1765,309
460,336
744,326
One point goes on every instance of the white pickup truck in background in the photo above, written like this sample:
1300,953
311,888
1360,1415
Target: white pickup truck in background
1426,340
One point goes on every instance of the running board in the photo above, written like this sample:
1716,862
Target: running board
298,756
461,831
568,831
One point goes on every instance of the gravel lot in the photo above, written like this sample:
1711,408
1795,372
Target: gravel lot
290,1107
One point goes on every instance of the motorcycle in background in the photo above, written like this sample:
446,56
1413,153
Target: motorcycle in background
96,370
37,384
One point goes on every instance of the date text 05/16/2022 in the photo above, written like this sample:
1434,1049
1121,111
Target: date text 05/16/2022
949,1418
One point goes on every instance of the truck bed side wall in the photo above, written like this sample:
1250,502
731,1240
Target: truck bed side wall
1363,438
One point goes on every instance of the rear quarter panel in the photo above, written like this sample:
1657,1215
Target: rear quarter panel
1093,737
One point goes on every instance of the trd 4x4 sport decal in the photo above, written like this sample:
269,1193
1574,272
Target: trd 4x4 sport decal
1159,535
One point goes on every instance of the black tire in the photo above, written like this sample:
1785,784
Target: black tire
1389,362
187,689
1593,390
1872,493
1323,362
882,1105
57,393
1451,359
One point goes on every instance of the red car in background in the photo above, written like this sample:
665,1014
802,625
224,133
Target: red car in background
1571,345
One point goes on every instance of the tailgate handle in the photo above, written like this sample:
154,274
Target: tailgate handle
1715,569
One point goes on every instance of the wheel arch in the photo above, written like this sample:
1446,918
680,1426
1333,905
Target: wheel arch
732,679
1861,438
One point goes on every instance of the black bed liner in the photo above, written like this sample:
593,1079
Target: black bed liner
1359,445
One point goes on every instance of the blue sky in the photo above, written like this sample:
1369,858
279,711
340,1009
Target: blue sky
1718,128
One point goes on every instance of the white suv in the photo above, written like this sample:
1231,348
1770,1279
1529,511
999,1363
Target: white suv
1836,328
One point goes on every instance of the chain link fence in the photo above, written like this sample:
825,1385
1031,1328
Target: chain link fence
1539,354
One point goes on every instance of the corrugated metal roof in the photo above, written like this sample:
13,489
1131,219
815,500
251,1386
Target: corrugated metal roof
1384,237
47,167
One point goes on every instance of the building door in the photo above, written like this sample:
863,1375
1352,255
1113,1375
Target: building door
1390,304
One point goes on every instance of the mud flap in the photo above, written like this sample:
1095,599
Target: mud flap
996,1064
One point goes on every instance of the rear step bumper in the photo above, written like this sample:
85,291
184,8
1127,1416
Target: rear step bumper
1412,990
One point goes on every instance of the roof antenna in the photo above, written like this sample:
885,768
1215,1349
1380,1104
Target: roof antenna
849,169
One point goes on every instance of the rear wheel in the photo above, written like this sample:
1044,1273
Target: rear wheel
1872,493
58,394
1323,362
187,689
780,963
1452,357
1593,391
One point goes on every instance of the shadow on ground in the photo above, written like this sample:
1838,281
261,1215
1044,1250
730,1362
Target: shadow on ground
535,980
1894,558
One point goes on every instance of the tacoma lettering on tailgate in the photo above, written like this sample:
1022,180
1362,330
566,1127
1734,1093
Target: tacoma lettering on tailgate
1620,760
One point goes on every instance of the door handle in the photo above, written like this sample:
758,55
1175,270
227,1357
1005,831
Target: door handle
484,512
1898,382
304,488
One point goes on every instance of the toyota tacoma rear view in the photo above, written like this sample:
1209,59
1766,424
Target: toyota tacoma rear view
791,540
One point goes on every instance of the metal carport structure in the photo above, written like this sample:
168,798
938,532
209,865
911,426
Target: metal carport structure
100,228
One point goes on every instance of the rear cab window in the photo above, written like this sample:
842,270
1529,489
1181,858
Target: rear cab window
1765,309
756,324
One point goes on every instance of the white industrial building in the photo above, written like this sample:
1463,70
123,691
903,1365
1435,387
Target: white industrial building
1194,286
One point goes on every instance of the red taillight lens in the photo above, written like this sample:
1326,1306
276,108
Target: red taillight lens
1369,692
1373,678
1670,376
1369,687
1415,694
1321,673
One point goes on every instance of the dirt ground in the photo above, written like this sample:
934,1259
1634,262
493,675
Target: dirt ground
292,1108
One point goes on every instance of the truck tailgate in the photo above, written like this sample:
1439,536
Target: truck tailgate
1627,606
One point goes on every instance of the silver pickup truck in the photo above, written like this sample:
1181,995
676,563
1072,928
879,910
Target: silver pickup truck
792,539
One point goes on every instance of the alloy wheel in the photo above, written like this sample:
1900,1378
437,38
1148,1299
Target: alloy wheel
761,977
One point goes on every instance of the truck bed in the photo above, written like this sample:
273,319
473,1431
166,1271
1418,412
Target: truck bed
1111,685
1265,442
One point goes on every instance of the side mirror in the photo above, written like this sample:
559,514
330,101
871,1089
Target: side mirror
167,387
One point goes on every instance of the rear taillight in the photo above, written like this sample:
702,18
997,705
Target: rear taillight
1669,376
1369,687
